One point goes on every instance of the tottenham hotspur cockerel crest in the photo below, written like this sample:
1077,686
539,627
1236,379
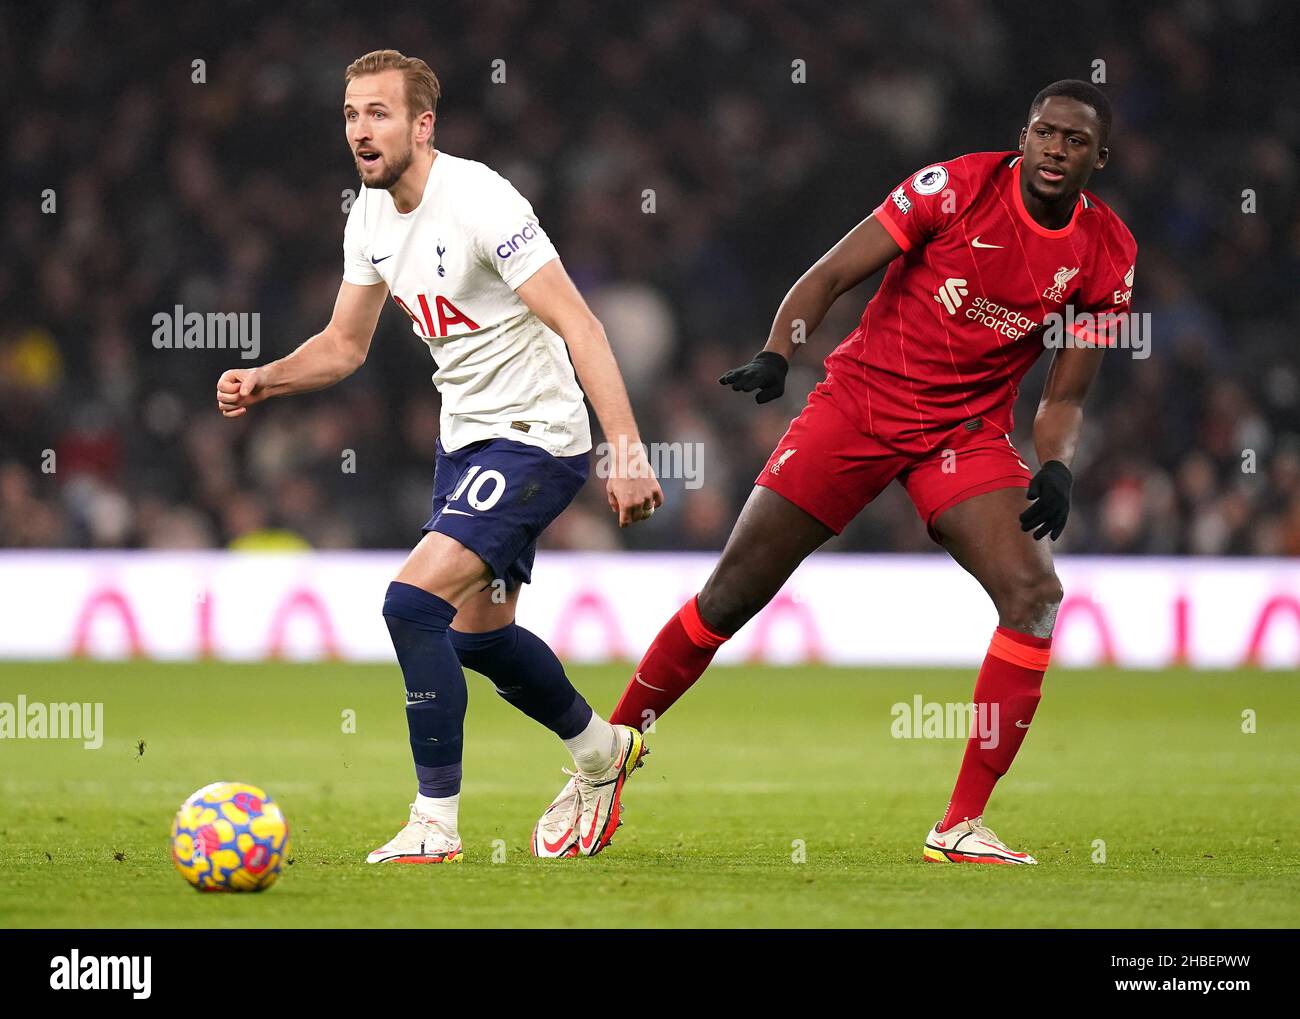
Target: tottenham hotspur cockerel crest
1056,292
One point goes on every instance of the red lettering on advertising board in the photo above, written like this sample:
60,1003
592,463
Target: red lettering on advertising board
301,601
111,600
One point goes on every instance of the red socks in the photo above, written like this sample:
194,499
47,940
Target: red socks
674,661
1007,693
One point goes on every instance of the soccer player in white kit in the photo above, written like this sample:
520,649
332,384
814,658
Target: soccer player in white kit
464,257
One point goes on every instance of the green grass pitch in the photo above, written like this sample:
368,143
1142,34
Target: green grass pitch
1198,818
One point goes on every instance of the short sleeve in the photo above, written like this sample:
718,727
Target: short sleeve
1110,296
357,267
923,204
506,233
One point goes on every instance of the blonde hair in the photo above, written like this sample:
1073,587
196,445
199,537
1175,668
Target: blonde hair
422,88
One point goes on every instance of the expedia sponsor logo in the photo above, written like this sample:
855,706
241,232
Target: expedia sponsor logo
902,201
516,241
1125,295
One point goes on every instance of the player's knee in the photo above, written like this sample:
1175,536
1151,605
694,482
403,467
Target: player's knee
1030,603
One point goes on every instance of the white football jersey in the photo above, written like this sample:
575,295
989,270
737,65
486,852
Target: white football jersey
453,264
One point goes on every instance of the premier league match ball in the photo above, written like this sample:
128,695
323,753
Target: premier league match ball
229,837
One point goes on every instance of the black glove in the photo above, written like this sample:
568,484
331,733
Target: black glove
1050,488
766,373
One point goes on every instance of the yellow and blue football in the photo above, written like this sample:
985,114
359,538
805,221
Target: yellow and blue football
230,837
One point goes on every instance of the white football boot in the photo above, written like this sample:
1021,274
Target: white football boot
582,819
970,842
601,795
421,840
556,834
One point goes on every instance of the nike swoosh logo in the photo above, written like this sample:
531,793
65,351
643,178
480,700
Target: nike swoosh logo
551,847
647,685
459,513
590,837
1000,849
977,243
376,261
1021,725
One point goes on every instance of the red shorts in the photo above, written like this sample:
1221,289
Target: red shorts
828,468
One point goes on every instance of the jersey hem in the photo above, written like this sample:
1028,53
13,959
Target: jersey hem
487,432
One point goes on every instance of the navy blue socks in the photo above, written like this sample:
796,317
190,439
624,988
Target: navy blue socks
520,665
436,697
526,673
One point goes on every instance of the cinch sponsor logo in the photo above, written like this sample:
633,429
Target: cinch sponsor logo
53,721
74,972
508,247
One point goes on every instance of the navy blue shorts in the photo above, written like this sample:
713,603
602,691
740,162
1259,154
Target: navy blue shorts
496,497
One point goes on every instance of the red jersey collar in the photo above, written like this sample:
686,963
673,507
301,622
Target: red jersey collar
1029,220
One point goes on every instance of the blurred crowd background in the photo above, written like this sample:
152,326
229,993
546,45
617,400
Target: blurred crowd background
228,195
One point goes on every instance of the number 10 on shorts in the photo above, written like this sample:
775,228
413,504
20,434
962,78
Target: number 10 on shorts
484,488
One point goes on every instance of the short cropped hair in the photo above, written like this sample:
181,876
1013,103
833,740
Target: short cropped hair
422,88
1081,91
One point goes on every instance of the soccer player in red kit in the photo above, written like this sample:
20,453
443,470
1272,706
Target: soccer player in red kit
985,253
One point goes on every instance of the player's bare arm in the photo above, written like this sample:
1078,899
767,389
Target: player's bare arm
633,490
742,583
1060,411
326,358
859,255
1056,435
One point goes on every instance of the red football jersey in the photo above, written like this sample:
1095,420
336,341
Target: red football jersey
959,317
